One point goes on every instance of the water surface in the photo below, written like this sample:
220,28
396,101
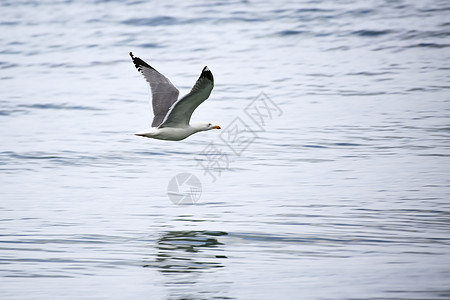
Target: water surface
342,193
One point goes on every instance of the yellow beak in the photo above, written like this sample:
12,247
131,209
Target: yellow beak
216,127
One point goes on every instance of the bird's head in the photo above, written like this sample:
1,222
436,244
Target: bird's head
204,126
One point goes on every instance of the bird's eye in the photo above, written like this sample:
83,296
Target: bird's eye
209,124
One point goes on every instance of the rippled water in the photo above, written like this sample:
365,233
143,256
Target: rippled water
342,193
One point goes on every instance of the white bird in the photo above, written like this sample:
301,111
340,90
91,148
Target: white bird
172,115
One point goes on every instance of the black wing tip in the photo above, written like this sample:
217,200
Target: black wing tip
139,63
206,72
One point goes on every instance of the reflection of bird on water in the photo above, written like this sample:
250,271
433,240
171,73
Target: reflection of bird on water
188,251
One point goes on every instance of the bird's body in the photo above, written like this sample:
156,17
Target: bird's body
172,115
174,133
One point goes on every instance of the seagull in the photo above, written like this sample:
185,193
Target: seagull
172,115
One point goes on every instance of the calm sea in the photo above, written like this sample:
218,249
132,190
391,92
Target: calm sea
328,180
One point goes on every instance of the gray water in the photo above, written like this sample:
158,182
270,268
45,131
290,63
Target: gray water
339,191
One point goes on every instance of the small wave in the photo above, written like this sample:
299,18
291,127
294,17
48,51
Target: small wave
146,153
428,10
9,112
33,156
369,73
289,32
11,23
314,146
30,156
435,155
420,35
58,106
23,108
313,10
150,45
152,21
309,239
63,158
371,33
362,12
347,144
428,45
6,65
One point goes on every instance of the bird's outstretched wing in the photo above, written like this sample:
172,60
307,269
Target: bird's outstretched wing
181,111
164,93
